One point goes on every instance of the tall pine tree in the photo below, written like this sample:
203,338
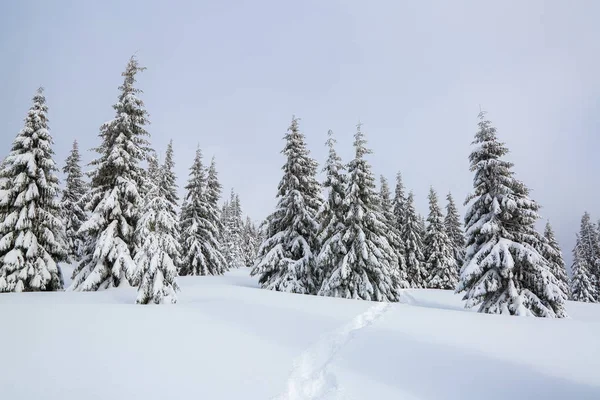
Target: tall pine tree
232,236
114,200
158,226
399,203
369,269
438,251
73,213
250,242
393,233
583,281
200,247
503,272
453,226
413,244
287,258
31,231
550,250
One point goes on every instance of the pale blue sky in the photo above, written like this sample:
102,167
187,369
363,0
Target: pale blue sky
228,75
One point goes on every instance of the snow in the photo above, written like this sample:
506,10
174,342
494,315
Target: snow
228,339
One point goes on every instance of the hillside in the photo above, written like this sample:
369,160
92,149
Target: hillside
227,339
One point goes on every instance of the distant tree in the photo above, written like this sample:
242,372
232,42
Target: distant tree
250,242
31,231
503,272
583,281
453,226
399,203
233,232
550,250
287,258
411,236
114,200
439,255
393,233
158,227
73,213
369,268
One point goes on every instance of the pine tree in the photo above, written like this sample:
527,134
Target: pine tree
369,269
200,249
438,250
399,203
158,226
393,234
413,243
31,231
453,226
115,197
503,272
73,213
550,250
584,282
233,232
250,242
286,259
331,214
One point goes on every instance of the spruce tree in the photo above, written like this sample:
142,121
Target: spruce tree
250,242
503,272
413,243
31,231
331,214
200,247
453,226
399,203
438,249
287,258
158,226
584,283
393,233
233,232
369,269
73,213
114,200
550,250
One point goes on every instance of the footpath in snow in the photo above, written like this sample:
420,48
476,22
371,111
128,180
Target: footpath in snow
227,339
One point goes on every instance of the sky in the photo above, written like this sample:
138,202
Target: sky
228,76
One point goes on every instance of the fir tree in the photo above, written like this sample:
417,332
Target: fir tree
286,259
550,250
31,231
453,226
331,214
399,203
413,243
158,226
393,234
250,242
439,255
233,232
73,213
584,282
369,269
503,272
114,200
200,249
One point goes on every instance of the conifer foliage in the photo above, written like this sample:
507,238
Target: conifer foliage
287,258
503,272
584,284
552,253
31,231
413,243
233,232
439,256
158,226
200,247
73,213
369,269
453,226
114,201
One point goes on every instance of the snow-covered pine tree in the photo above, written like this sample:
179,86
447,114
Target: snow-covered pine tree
114,200
158,226
438,249
250,242
453,226
287,258
233,240
4,186
550,250
399,203
200,247
503,272
31,231
393,233
72,212
369,269
413,245
583,281
331,214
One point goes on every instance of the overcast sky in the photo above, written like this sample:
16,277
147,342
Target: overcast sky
228,75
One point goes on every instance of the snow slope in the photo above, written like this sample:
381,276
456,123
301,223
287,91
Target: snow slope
227,339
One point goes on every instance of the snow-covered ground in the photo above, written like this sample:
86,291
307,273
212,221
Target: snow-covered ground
227,339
